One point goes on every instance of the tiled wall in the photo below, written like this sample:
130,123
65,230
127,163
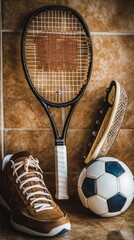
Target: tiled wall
24,124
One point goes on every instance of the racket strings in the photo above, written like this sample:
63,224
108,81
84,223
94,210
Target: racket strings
63,58
57,55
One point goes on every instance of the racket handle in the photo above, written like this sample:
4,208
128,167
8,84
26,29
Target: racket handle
61,172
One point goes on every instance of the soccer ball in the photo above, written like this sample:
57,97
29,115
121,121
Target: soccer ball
106,186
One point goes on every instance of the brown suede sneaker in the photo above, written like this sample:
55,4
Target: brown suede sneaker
24,193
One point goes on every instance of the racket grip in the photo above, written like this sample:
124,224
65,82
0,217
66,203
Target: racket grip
61,172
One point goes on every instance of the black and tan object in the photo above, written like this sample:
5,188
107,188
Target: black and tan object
108,123
56,52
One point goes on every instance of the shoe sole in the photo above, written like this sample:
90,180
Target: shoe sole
111,122
54,232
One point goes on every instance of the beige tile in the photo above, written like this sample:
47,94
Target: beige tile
113,60
76,144
112,15
21,11
122,148
86,111
39,143
22,109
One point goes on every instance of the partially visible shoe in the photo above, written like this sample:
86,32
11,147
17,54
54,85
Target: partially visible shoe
108,123
24,193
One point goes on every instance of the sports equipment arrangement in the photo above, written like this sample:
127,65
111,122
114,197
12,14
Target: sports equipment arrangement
108,123
23,192
106,186
56,55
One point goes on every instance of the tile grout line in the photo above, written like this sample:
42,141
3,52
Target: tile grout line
92,33
27,129
112,33
2,92
50,129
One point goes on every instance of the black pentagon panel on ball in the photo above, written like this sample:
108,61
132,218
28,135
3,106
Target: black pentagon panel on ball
116,203
114,168
89,187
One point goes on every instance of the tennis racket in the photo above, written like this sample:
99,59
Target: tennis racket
56,53
108,123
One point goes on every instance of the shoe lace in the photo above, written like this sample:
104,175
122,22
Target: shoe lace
37,193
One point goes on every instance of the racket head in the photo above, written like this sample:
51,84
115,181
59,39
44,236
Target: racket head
63,58
108,123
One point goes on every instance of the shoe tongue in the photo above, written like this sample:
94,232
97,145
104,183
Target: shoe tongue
18,155
22,157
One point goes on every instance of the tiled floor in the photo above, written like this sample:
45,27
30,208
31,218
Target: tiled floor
84,225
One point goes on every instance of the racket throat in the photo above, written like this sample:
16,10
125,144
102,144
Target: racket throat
60,142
